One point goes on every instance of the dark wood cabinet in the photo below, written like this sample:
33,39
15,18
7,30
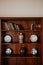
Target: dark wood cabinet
21,53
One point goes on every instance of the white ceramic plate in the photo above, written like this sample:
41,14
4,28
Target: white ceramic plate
34,51
7,38
33,38
8,51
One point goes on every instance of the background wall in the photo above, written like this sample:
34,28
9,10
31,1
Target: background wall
23,8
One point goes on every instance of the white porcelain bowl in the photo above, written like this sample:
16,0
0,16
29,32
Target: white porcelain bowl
34,51
7,38
8,51
33,38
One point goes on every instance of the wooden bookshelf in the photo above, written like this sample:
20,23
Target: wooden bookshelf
13,26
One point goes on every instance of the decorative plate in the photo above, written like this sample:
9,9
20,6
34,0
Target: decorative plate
7,38
33,38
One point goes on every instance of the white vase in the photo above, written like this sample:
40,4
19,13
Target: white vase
21,38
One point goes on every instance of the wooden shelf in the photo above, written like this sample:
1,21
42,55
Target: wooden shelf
21,30
29,43
21,57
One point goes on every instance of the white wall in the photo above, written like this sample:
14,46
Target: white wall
21,8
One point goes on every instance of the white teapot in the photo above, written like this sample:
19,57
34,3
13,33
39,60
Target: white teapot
8,51
34,51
